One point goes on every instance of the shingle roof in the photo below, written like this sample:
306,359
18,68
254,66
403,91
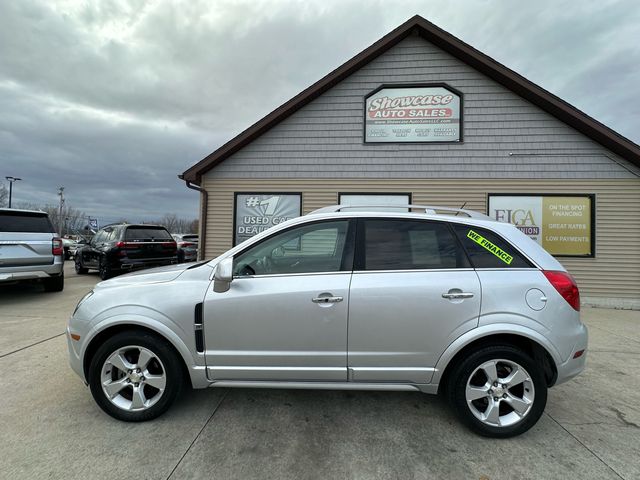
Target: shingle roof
454,46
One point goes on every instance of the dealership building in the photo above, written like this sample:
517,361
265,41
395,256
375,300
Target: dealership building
421,117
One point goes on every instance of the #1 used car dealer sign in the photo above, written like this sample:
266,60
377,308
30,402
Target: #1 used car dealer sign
255,212
412,114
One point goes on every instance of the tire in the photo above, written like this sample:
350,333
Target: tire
80,270
54,284
180,256
104,270
67,254
497,411
108,373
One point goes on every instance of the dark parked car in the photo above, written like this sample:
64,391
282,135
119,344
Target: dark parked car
125,247
187,247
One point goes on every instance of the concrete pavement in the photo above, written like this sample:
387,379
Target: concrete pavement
51,428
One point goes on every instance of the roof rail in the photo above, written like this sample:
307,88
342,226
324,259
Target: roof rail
428,209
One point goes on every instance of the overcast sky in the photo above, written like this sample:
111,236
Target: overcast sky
113,99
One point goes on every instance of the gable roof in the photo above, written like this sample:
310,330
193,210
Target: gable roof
457,48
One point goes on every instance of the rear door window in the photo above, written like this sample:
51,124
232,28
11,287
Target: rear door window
489,250
394,244
25,222
147,234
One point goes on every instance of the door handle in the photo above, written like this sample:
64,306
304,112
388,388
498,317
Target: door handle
458,295
326,299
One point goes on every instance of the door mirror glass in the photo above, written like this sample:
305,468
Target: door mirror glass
223,275
278,252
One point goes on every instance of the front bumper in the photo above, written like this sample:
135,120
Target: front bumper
74,358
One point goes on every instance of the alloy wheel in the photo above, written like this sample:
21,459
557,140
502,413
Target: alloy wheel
500,393
133,378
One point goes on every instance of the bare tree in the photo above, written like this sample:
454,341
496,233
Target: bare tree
72,220
177,225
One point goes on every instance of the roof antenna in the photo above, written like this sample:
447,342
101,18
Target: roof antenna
460,209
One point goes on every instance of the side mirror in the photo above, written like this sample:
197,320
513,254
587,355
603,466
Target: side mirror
223,275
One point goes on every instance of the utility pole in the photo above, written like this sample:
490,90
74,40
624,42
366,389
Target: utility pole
60,224
11,180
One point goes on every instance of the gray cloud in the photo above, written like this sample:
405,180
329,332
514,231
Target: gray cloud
114,98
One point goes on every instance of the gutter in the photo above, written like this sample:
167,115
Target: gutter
204,204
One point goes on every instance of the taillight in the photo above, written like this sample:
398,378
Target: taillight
56,246
186,244
566,287
120,244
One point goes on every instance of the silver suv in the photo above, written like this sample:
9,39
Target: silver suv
30,249
438,301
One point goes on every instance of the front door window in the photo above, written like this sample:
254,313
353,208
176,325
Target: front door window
314,248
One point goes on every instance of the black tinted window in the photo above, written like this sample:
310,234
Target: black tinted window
488,250
409,245
147,234
25,222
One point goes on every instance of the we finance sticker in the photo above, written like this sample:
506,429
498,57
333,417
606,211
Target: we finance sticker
487,245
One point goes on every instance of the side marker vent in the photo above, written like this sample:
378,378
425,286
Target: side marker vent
198,327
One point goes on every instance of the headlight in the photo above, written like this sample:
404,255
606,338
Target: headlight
87,295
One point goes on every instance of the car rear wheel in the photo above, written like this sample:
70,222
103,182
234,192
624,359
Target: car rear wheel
80,270
498,391
135,376
104,270
54,284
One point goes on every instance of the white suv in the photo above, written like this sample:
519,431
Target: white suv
344,298
30,250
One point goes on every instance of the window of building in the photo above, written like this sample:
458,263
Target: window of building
377,199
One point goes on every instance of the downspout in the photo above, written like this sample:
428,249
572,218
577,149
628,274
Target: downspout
204,204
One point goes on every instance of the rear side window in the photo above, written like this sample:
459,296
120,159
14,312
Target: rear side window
409,245
25,222
146,234
488,250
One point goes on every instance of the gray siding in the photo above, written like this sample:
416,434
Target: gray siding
325,138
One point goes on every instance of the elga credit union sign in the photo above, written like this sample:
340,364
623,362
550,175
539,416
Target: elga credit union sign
255,212
562,224
412,114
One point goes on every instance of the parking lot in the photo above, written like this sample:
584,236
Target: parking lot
51,428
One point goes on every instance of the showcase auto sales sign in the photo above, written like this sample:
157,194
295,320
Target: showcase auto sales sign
412,114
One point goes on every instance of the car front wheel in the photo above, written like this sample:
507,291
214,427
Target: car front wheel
498,391
80,270
135,376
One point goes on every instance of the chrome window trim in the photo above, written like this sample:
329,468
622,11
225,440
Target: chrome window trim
279,275
416,270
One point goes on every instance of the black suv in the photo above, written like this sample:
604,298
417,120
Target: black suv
117,248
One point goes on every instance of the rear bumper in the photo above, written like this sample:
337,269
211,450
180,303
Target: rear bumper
129,265
190,254
573,366
32,272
